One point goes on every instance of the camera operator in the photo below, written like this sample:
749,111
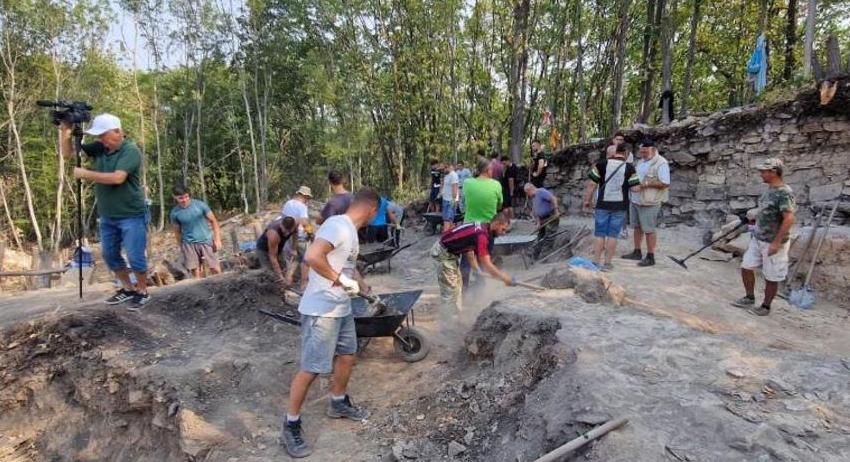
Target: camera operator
120,202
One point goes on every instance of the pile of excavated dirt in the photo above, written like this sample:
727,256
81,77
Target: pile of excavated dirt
539,371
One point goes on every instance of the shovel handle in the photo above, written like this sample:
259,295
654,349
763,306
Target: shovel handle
530,286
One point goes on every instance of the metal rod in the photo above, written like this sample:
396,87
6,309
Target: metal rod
597,432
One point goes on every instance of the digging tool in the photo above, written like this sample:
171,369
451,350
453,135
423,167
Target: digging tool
786,289
597,432
376,306
681,262
543,225
579,235
804,297
523,284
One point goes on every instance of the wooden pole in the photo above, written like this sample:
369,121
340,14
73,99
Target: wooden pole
597,432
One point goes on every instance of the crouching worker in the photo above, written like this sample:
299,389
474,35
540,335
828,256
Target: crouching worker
270,247
472,240
328,336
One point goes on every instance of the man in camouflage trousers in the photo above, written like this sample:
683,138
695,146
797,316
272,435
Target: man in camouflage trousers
770,240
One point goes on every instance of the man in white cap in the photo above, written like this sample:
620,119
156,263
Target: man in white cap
120,203
294,249
770,239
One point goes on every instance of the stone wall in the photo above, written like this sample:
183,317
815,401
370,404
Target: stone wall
712,158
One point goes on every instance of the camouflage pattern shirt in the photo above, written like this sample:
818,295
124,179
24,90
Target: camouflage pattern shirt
772,204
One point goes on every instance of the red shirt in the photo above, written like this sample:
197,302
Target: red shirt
471,236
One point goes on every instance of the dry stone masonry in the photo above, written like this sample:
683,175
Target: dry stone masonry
712,157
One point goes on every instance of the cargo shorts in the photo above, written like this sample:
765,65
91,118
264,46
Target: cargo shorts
774,267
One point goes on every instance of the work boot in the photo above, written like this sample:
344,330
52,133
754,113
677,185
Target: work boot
607,267
634,255
344,408
293,439
121,296
745,302
648,260
760,310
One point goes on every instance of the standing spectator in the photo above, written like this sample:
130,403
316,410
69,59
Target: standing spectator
770,240
197,232
395,213
539,164
463,174
509,185
614,177
436,181
340,198
619,139
497,170
296,208
544,207
328,335
120,202
654,174
451,197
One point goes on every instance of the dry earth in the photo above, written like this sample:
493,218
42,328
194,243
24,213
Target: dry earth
200,375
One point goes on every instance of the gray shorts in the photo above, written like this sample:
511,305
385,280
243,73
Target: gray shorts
644,217
322,338
196,253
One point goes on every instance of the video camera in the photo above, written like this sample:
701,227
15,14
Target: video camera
72,112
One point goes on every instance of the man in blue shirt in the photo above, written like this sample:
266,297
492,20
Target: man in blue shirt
544,207
197,232
378,231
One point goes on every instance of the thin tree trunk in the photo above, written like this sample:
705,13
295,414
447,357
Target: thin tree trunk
790,39
13,230
651,67
811,15
141,136
667,56
258,204
519,62
56,232
619,68
689,67
199,103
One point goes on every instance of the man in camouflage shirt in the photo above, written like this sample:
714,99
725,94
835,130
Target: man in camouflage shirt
770,240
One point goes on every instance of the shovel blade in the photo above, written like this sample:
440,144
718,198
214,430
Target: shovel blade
803,298
678,261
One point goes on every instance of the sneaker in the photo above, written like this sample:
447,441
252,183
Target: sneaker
121,296
138,301
293,439
744,302
607,267
634,255
344,408
760,310
648,260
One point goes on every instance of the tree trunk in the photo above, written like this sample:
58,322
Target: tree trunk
619,67
667,56
519,61
258,204
19,151
13,230
56,232
811,15
790,39
199,104
650,68
689,67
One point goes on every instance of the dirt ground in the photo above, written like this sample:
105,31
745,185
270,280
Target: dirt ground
201,375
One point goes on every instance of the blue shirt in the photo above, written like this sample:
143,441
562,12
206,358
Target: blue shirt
543,203
381,217
194,227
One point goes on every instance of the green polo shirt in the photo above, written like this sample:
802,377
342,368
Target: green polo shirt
125,200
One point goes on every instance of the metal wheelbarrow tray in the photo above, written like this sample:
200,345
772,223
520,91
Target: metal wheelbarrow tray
397,322
372,256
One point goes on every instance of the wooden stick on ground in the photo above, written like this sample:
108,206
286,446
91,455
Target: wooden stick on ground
597,432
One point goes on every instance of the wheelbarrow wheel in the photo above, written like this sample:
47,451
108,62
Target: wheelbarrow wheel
417,346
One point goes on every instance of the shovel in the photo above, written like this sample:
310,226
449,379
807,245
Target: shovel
804,297
681,262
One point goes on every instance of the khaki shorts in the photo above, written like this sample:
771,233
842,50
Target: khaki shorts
194,254
774,267
644,217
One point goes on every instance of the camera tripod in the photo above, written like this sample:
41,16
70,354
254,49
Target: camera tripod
77,134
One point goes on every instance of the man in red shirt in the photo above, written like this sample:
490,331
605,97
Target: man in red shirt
472,240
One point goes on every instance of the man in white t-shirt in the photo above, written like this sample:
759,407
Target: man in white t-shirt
451,196
294,248
328,336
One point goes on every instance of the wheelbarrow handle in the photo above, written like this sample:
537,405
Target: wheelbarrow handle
281,318
396,251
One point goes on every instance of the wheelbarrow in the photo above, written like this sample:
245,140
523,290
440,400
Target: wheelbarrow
435,220
397,321
373,256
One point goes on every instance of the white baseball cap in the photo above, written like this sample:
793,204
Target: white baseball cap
103,123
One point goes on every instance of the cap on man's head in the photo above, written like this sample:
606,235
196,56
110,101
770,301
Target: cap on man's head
647,143
773,163
103,123
305,191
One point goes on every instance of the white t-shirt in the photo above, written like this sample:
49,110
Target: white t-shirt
449,181
320,297
297,210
